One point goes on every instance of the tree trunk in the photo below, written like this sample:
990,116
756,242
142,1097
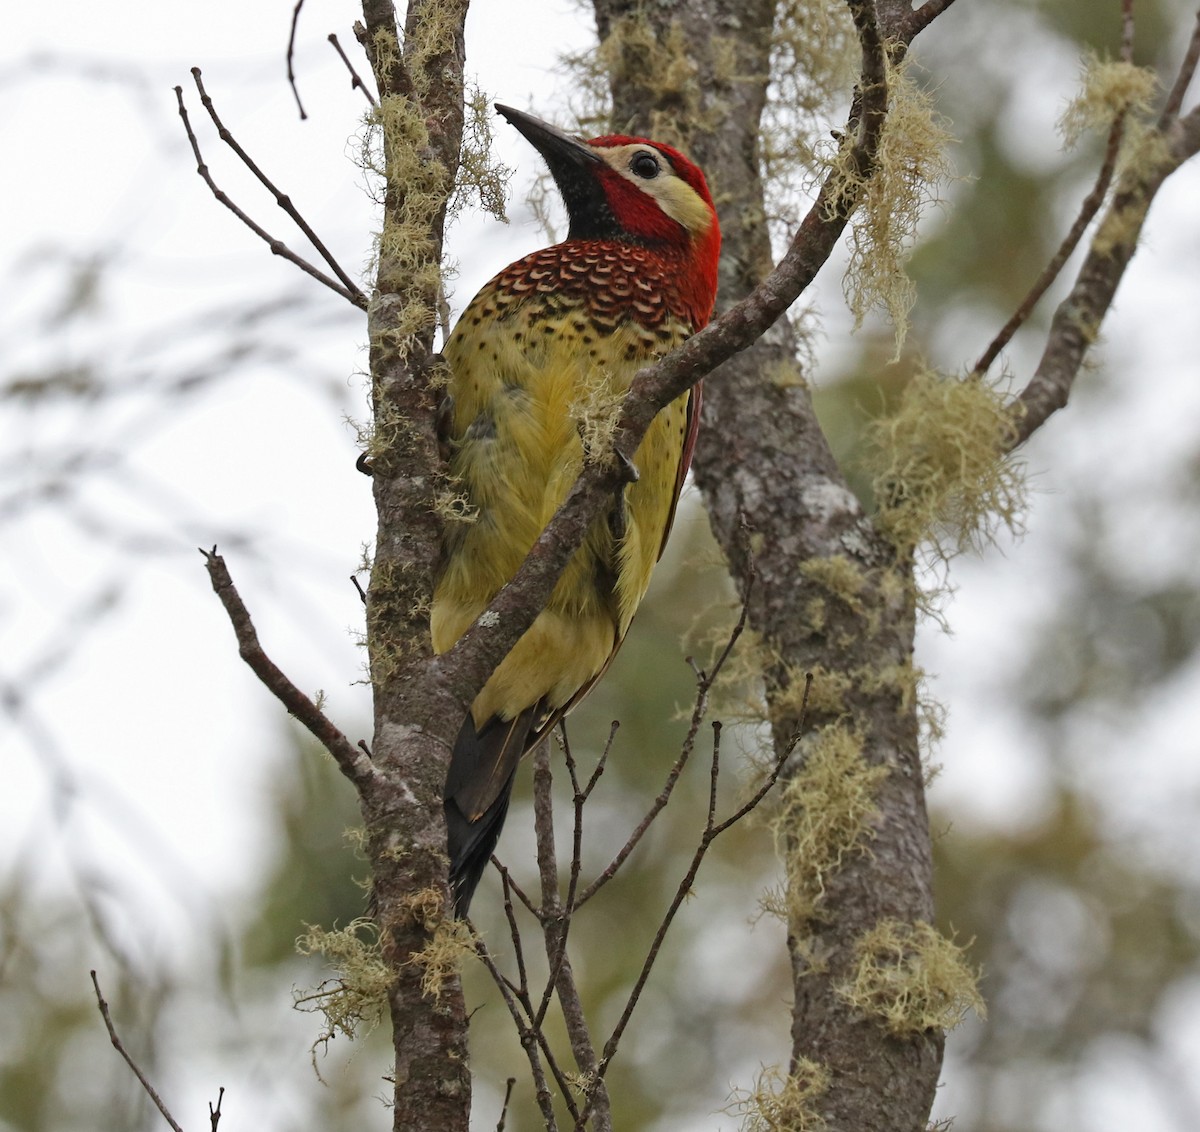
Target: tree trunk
828,593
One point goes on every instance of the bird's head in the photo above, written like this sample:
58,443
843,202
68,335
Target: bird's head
630,190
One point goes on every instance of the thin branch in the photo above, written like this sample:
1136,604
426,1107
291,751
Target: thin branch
281,199
356,82
1128,27
924,16
555,921
353,763
527,1034
518,995
119,1046
759,794
578,798
656,807
712,830
1078,318
603,760
214,1114
351,294
515,932
509,883
1187,139
1187,71
291,50
681,893
1087,213
508,1090
704,684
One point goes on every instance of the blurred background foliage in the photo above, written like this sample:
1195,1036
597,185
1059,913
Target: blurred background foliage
1078,889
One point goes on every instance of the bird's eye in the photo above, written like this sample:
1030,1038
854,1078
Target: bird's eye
644,165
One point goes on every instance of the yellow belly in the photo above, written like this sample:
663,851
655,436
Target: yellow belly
521,389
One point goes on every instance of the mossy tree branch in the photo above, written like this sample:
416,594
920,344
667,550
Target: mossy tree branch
1077,319
418,73
763,461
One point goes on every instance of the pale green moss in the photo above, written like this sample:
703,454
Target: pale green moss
942,469
910,164
456,507
480,175
450,942
780,1103
354,1002
596,411
814,62
839,577
1109,89
826,696
825,813
913,978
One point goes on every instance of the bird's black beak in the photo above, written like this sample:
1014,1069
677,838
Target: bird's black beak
555,145
575,166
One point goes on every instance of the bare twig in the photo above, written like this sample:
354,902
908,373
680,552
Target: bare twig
578,798
515,933
555,923
119,1046
349,292
508,1088
516,889
924,16
1087,213
353,763
516,996
773,777
1187,71
529,1039
356,82
281,199
291,50
214,1114
1127,31
602,761
704,685
712,830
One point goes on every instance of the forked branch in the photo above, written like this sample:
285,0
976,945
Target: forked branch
712,830
1087,213
1078,318
343,284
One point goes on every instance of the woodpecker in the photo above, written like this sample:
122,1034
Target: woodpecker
636,275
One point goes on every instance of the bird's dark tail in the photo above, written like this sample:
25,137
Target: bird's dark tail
478,788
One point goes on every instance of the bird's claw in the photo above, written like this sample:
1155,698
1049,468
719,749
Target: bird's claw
629,471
